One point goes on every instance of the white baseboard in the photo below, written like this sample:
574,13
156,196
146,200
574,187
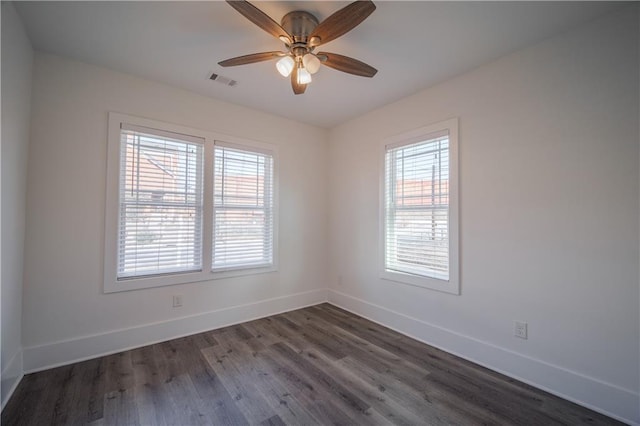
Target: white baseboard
11,376
42,357
611,400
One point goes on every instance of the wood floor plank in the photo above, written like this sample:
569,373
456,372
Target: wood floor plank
76,396
321,378
394,410
273,421
408,349
263,334
573,414
190,408
239,366
145,369
119,408
204,340
47,409
220,407
324,410
316,336
486,385
153,404
428,403
95,408
317,365
376,357
119,372
289,407
391,389
20,408
287,334
234,372
328,387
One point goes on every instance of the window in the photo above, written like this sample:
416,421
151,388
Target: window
182,206
420,208
242,205
160,203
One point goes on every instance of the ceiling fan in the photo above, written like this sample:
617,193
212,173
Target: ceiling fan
302,34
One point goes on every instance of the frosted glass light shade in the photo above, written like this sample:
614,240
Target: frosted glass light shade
303,76
311,63
285,66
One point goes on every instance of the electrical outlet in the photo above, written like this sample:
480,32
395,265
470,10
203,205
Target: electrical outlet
340,284
177,301
520,329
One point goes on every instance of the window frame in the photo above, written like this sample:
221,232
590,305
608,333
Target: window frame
111,282
136,186
452,285
235,270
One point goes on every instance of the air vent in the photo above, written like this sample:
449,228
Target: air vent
222,79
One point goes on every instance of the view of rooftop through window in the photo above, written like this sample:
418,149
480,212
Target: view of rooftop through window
417,208
243,204
160,205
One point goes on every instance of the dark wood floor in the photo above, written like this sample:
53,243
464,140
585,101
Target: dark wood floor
319,365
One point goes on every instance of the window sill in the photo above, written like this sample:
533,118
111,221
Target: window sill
115,286
239,272
446,286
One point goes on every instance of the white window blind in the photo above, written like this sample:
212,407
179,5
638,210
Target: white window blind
160,192
417,207
243,207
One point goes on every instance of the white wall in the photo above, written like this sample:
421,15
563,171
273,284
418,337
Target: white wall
549,215
66,314
549,218
17,61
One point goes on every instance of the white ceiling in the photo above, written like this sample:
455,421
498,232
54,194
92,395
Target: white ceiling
412,44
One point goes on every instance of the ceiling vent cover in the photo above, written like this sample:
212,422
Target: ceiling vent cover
224,80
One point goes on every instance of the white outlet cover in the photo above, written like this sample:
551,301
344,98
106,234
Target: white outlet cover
177,301
520,329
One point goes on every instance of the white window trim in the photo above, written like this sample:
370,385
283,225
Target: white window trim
236,271
453,284
111,282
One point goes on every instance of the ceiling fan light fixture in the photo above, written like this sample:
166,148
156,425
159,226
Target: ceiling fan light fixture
301,33
285,66
311,63
303,76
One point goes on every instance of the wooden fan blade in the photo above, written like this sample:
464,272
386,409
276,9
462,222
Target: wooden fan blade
298,89
250,59
348,65
261,19
341,22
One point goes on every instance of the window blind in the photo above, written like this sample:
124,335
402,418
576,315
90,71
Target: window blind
243,208
417,207
161,208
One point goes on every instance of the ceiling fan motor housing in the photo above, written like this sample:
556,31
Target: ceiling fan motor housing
299,24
